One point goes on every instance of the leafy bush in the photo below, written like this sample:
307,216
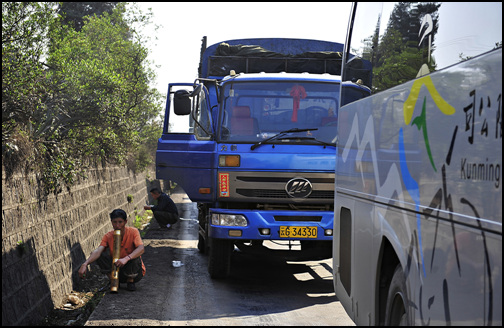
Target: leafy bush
75,98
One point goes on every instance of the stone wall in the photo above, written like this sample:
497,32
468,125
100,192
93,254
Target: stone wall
46,238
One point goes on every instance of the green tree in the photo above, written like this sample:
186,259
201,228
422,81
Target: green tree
398,56
24,36
73,13
397,62
104,85
26,92
88,101
147,150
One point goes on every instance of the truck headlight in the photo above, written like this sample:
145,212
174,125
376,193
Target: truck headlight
229,220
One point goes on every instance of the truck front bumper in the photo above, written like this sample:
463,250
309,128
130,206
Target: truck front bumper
266,225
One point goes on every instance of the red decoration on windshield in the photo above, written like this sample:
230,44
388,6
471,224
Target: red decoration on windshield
298,92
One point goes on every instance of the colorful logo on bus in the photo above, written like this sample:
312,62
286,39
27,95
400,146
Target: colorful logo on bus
421,120
421,123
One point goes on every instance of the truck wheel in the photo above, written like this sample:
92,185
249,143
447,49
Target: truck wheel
219,260
202,228
396,314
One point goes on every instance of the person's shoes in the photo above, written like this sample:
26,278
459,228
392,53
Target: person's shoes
131,286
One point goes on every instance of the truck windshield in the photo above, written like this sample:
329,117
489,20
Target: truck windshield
256,111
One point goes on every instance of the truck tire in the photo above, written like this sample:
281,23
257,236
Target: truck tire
397,298
219,259
203,228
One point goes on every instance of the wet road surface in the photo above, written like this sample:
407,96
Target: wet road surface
266,291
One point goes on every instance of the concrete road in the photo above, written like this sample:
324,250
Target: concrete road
259,291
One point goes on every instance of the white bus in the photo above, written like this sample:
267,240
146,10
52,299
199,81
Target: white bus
418,202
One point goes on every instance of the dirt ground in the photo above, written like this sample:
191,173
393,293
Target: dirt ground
80,304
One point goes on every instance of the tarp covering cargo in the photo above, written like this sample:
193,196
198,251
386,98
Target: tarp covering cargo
255,59
277,55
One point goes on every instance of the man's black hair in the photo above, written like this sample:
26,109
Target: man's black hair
118,213
155,190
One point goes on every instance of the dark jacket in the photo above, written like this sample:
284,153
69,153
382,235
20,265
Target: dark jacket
165,204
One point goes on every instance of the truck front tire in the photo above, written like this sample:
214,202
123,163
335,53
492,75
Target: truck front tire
219,260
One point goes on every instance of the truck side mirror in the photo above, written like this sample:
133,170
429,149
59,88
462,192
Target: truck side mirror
182,102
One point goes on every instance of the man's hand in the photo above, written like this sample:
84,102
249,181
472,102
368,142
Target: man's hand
82,271
147,207
122,262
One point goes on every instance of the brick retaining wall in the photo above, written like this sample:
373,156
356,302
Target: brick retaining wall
58,234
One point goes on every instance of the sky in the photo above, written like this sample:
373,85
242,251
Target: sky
178,44
183,24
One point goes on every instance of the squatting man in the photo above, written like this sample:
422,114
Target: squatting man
132,268
165,212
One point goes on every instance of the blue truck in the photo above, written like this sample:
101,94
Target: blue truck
252,141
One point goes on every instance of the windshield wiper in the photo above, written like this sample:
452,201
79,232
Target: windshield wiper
280,134
315,139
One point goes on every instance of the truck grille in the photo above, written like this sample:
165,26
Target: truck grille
266,193
274,187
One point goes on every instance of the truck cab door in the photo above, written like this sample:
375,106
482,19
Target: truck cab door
186,150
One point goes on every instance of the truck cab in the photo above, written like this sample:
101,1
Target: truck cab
258,150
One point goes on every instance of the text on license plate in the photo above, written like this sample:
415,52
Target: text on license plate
300,232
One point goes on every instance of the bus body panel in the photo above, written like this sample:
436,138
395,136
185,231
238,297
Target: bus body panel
418,185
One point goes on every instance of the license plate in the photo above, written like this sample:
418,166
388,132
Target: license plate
298,232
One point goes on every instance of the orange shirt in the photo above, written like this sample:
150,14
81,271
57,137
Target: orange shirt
130,241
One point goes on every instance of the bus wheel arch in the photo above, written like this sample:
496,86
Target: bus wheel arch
396,313
387,264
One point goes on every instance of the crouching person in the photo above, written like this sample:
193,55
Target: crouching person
165,212
131,266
